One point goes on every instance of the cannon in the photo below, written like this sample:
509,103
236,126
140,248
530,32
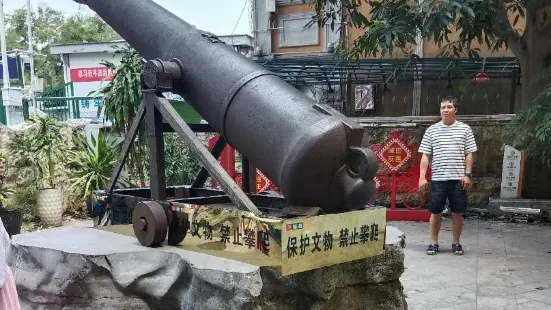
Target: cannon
314,154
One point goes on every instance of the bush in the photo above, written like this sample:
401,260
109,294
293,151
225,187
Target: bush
530,129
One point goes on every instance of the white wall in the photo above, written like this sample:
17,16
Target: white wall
84,88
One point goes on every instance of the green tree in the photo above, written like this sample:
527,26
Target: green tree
394,24
120,101
50,26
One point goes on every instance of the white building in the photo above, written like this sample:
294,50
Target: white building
82,65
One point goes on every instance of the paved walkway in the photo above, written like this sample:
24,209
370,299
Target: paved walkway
505,266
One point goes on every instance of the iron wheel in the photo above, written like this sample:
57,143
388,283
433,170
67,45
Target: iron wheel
150,223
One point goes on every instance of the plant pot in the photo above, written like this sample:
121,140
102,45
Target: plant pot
12,220
49,205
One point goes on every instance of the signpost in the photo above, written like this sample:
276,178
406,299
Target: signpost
5,73
393,156
512,173
93,74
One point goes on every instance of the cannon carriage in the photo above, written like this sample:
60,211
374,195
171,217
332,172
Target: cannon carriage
314,154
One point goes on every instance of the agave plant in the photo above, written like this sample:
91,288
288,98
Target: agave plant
92,163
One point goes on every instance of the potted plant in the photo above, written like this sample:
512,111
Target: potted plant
11,217
46,151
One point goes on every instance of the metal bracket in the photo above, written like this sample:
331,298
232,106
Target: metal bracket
155,142
210,163
216,152
132,132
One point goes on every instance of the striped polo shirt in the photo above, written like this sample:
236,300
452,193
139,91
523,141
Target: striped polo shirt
448,146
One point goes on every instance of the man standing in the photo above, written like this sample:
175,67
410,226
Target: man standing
450,145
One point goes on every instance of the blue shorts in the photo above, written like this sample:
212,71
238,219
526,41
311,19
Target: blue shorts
453,191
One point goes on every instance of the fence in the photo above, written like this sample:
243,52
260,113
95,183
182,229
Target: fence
404,87
63,108
62,90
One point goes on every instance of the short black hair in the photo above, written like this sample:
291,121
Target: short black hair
451,99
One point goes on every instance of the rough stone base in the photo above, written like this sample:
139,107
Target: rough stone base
85,268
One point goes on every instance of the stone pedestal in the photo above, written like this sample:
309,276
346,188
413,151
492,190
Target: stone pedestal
86,268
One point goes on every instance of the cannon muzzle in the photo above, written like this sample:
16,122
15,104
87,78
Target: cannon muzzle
313,153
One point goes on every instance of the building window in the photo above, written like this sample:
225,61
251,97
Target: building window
292,31
292,2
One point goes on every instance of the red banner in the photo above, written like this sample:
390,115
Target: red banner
96,74
227,158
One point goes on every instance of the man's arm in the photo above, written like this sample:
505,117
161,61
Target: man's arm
425,161
470,149
426,149
469,160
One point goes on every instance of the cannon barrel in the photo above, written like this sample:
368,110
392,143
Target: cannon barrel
314,154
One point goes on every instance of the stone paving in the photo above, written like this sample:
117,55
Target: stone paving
505,266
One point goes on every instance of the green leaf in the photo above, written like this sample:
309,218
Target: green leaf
470,12
516,20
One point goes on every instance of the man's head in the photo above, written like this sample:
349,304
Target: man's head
448,109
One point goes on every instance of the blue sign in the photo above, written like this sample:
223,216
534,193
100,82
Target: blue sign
12,68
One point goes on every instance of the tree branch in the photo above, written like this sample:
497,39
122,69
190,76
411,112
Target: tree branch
533,5
540,11
503,29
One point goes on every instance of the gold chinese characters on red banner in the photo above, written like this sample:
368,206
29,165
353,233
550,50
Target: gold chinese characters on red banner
395,153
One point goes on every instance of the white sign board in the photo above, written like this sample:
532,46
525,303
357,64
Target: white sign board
511,176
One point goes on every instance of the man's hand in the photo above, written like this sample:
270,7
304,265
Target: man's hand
466,182
423,183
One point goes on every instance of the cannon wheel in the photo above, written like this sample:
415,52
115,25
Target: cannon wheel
177,230
90,205
150,223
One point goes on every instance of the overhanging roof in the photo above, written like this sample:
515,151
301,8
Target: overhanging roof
93,47
316,70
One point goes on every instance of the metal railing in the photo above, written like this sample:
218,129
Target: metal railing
65,108
62,90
